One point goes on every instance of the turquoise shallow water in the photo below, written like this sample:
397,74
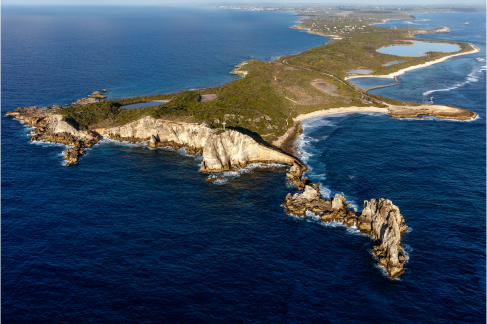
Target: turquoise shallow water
133,235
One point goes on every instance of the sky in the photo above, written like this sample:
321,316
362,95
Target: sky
229,2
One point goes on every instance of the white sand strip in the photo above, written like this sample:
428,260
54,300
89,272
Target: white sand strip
394,74
341,110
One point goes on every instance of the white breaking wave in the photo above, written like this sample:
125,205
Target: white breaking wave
318,122
355,231
473,76
431,118
44,143
382,269
219,181
250,168
407,251
302,154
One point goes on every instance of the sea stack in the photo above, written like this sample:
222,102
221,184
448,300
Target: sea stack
380,219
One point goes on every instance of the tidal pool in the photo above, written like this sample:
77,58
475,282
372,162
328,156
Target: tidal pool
418,49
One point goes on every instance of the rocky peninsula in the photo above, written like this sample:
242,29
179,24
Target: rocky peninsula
256,119
221,151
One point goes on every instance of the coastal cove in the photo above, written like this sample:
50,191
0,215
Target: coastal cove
178,235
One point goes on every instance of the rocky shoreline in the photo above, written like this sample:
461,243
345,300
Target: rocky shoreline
227,150
51,127
221,151
380,219
224,150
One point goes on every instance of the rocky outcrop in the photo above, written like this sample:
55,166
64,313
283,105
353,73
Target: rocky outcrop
238,70
233,149
162,133
295,174
220,151
98,94
86,101
437,30
213,178
380,219
437,111
52,128
383,221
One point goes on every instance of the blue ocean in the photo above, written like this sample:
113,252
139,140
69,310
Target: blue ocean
133,235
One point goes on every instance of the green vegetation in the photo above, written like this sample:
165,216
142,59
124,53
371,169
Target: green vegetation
272,93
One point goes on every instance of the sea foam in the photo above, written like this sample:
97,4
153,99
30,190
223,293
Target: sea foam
473,76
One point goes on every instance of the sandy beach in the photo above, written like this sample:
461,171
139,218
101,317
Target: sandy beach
438,111
341,110
394,74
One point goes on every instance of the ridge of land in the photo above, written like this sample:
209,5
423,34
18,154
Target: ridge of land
270,95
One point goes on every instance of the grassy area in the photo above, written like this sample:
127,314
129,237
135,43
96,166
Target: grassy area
272,93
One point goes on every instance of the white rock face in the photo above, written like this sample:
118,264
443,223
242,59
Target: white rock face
230,149
56,124
385,223
338,202
233,149
192,135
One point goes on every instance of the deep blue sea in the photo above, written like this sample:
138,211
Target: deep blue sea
132,235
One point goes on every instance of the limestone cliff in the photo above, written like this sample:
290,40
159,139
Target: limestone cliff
162,133
232,149
221,152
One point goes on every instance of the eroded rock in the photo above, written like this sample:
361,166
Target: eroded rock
97,94
51,127
380,219
232,149
85,101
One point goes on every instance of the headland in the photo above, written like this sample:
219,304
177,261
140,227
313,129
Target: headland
256,119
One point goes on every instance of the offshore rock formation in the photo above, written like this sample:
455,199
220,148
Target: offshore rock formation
295,174
96,96
383,221
380,219
51,127
85,101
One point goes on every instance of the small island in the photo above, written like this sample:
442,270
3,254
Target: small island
257,118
